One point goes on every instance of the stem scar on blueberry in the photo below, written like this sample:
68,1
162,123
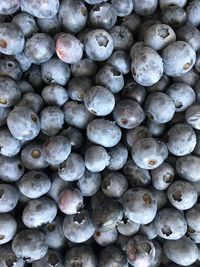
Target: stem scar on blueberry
34,118
177,196
3,101
166,230
147,199
3,43
36,154
186,66
190,230
152,162
51,227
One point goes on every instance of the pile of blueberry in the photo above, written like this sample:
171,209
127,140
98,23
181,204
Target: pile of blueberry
99,133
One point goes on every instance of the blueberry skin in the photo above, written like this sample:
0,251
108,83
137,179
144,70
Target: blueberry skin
34,184
196,150
140,251
9,146
12,39
170,224
112,255
39,48
8,8
148,230
193,217
134,91
84,68
103,132
135,175
98,44
32,156
74,136
182,95
192,116
26,23
127,228
56,149
122,38
55,71
52,120
103,16
147,66
190,34
132,22
107,215
188,168
51,26
159,36
192,12
146,8
99,100
93,2
23,123
122,8
11,169
174,16
149,153
30,245
9,92
120,60
83,255
178,58
78,86
111,78
4,112
118,156
128,114
31,100
156,129
160,86
52,258
181,139
24,62
162,176
114,185
178,251
54,95
68,48
165,3
78,228
39,212
160,196
182,195
106,238
8,228
72,15
9,197
77,115
9,258
143,28
40,9
70,201
90,183
11,68
139,205
72,168
197,63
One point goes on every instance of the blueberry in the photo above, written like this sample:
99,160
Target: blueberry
170,224
106,238
112,255
196,150
103,16
149,153
74,136
9,146
103,132
77,115
187,167
84,67
96,158
68,48
89,183
132,22
147,66
122,8
120,60
160,86
39,212
114,185
30,245
127,228
8,257
99,45
143,28
192,116
155,129
51,259
134,91
9,92
139,205
80,255
40,9
31,100
11,39
178,58
146,8
55,95
55,71
182,95
39,48
34,77
128,114
182,195
181,139
72,15
148,230
11,168
11,68
70,201
99,100
192,12
165,3
122,38
8,8
51,26
77,87
111,78
193,216
118,156
34,184
159,36
140,251
178,251
23,123
8,228
56,149
24,62
189,34
160,196
78,228
162,176
4,112
174,16
72,168
8,197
